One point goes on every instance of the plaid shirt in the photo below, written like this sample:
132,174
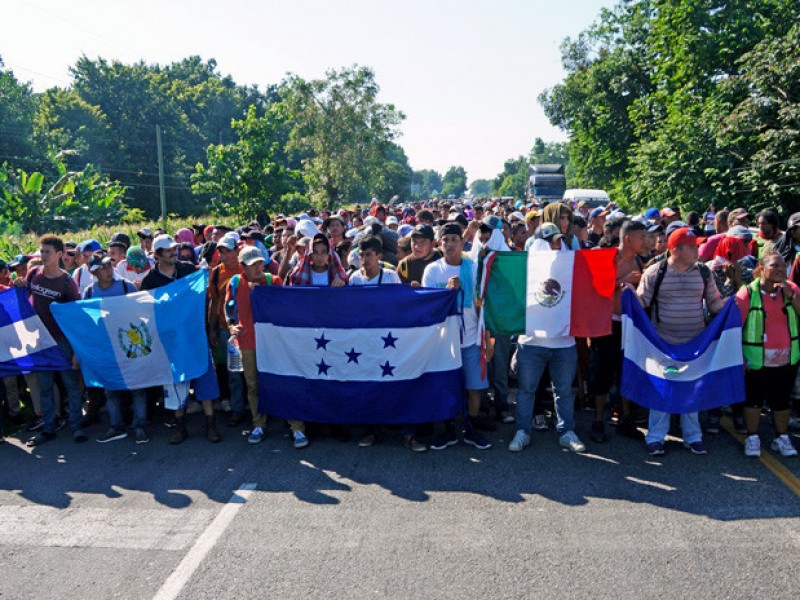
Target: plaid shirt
301,275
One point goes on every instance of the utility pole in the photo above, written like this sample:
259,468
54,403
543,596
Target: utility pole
161,190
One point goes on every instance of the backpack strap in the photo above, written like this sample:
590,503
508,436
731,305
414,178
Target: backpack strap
660,273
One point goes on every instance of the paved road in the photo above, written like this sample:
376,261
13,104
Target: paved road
336,521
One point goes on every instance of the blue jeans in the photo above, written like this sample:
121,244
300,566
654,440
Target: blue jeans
562,364
658,427
74,395
235,379
114,398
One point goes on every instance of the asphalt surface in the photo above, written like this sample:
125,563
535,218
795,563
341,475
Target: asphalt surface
333,520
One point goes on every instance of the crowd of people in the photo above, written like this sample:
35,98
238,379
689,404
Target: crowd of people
683,270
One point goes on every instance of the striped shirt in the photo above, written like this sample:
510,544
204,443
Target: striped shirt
681,314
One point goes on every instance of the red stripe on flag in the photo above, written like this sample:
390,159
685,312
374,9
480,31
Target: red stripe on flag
593,283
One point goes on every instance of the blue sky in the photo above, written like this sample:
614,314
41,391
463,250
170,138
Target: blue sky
466,74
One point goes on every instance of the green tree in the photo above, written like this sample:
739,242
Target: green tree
764,128
513,179
343,131
17,109
426,184
480,188
454,182
246,177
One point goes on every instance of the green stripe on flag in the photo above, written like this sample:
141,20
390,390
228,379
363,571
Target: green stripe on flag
504,304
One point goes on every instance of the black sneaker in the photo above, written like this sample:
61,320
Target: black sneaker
81,437
598,432
112,435
36,423
141,436
444,440
414,444
738,424
40,438
473,438
60,423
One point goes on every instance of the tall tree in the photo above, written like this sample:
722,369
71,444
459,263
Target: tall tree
343,130
17,108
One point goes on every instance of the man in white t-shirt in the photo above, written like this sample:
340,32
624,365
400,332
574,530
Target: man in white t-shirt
456,271
372,271
557,354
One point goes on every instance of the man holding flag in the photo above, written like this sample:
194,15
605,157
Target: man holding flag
456,271
46,285
677,292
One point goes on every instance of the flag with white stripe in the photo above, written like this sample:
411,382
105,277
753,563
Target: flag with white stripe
25,344
704,373
151,338
361,355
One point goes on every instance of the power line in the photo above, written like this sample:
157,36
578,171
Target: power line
51,13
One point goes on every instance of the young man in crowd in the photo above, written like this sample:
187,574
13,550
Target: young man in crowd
167,270
218,333
106,286
678,313
239,317
423,253
45,285
605,363
456,271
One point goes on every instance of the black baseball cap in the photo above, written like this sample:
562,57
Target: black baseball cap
423,231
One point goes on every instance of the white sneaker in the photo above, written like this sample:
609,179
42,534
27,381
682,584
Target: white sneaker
571,441
784,445
520,441
752,446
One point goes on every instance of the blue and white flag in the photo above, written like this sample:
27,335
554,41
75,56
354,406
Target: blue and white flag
702,374
360,355
144,339
25,344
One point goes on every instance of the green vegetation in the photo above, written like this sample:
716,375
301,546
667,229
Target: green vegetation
685,103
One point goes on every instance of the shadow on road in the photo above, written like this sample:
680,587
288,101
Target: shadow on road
724,485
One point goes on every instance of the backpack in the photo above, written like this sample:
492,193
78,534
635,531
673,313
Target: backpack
125,284
652,310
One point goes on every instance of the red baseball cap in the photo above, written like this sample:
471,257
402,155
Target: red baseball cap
683,237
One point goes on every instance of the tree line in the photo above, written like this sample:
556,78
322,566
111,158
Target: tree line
685,103
86,154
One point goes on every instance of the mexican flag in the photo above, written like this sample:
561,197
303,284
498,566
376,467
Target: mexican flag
549,293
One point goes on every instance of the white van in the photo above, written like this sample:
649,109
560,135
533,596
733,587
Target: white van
593,198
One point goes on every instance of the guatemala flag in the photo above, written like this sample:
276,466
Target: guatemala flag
140,340
702,374
25,344
360,355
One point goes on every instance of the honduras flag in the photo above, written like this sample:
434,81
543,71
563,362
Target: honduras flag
25,344
360,355
702,374
140,340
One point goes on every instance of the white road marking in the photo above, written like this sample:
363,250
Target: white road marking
180,576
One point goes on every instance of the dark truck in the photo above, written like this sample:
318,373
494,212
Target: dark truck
546,182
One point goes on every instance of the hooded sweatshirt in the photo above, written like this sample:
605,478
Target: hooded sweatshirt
552,213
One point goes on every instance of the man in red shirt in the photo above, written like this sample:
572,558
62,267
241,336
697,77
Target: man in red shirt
239,316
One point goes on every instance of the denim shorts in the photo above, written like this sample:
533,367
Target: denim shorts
471,368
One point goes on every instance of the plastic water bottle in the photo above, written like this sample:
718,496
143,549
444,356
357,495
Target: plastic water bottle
234,357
